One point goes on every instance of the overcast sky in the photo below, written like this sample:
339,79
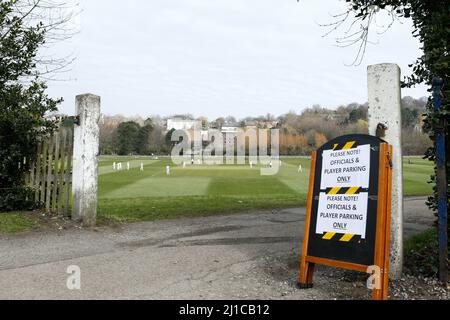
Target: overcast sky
220,57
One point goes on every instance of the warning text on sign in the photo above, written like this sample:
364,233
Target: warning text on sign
346,168
342,214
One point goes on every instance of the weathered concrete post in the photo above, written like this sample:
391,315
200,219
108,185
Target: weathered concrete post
384,109
85,152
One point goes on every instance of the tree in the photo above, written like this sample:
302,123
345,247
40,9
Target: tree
310,136
143,137
127,137
157,140
320,139
409,117
359,112
230,120
53,16
186,116
218,123
23,104
168,138
414,142
204,122
107,132
431,25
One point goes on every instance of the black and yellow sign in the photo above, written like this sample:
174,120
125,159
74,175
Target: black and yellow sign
348,209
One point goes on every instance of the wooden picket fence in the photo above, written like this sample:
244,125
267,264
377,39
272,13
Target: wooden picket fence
51,174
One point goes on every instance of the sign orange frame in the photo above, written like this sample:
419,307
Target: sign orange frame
382,237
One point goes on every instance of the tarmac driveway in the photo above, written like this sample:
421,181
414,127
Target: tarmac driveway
252,255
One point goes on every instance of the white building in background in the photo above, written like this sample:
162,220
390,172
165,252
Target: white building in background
229,135
183,124
205,135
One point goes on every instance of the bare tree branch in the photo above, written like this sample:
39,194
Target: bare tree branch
56,18
360,24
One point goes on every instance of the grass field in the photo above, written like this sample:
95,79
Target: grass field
201,189
15,222
416,174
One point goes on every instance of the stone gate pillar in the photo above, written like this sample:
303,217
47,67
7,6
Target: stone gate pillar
385,110
85,165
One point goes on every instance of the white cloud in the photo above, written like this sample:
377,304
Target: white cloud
220,57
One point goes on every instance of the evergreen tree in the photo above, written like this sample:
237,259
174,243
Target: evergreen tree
23,105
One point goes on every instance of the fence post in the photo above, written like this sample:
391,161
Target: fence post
441,182
85,166
385,109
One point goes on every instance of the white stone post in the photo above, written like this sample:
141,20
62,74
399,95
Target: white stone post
85,166
384,107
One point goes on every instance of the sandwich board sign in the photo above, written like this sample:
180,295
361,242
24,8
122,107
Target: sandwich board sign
348,209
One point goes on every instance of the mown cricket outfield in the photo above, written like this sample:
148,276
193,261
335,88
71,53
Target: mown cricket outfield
201,189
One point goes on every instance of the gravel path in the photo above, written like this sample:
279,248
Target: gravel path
252,255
